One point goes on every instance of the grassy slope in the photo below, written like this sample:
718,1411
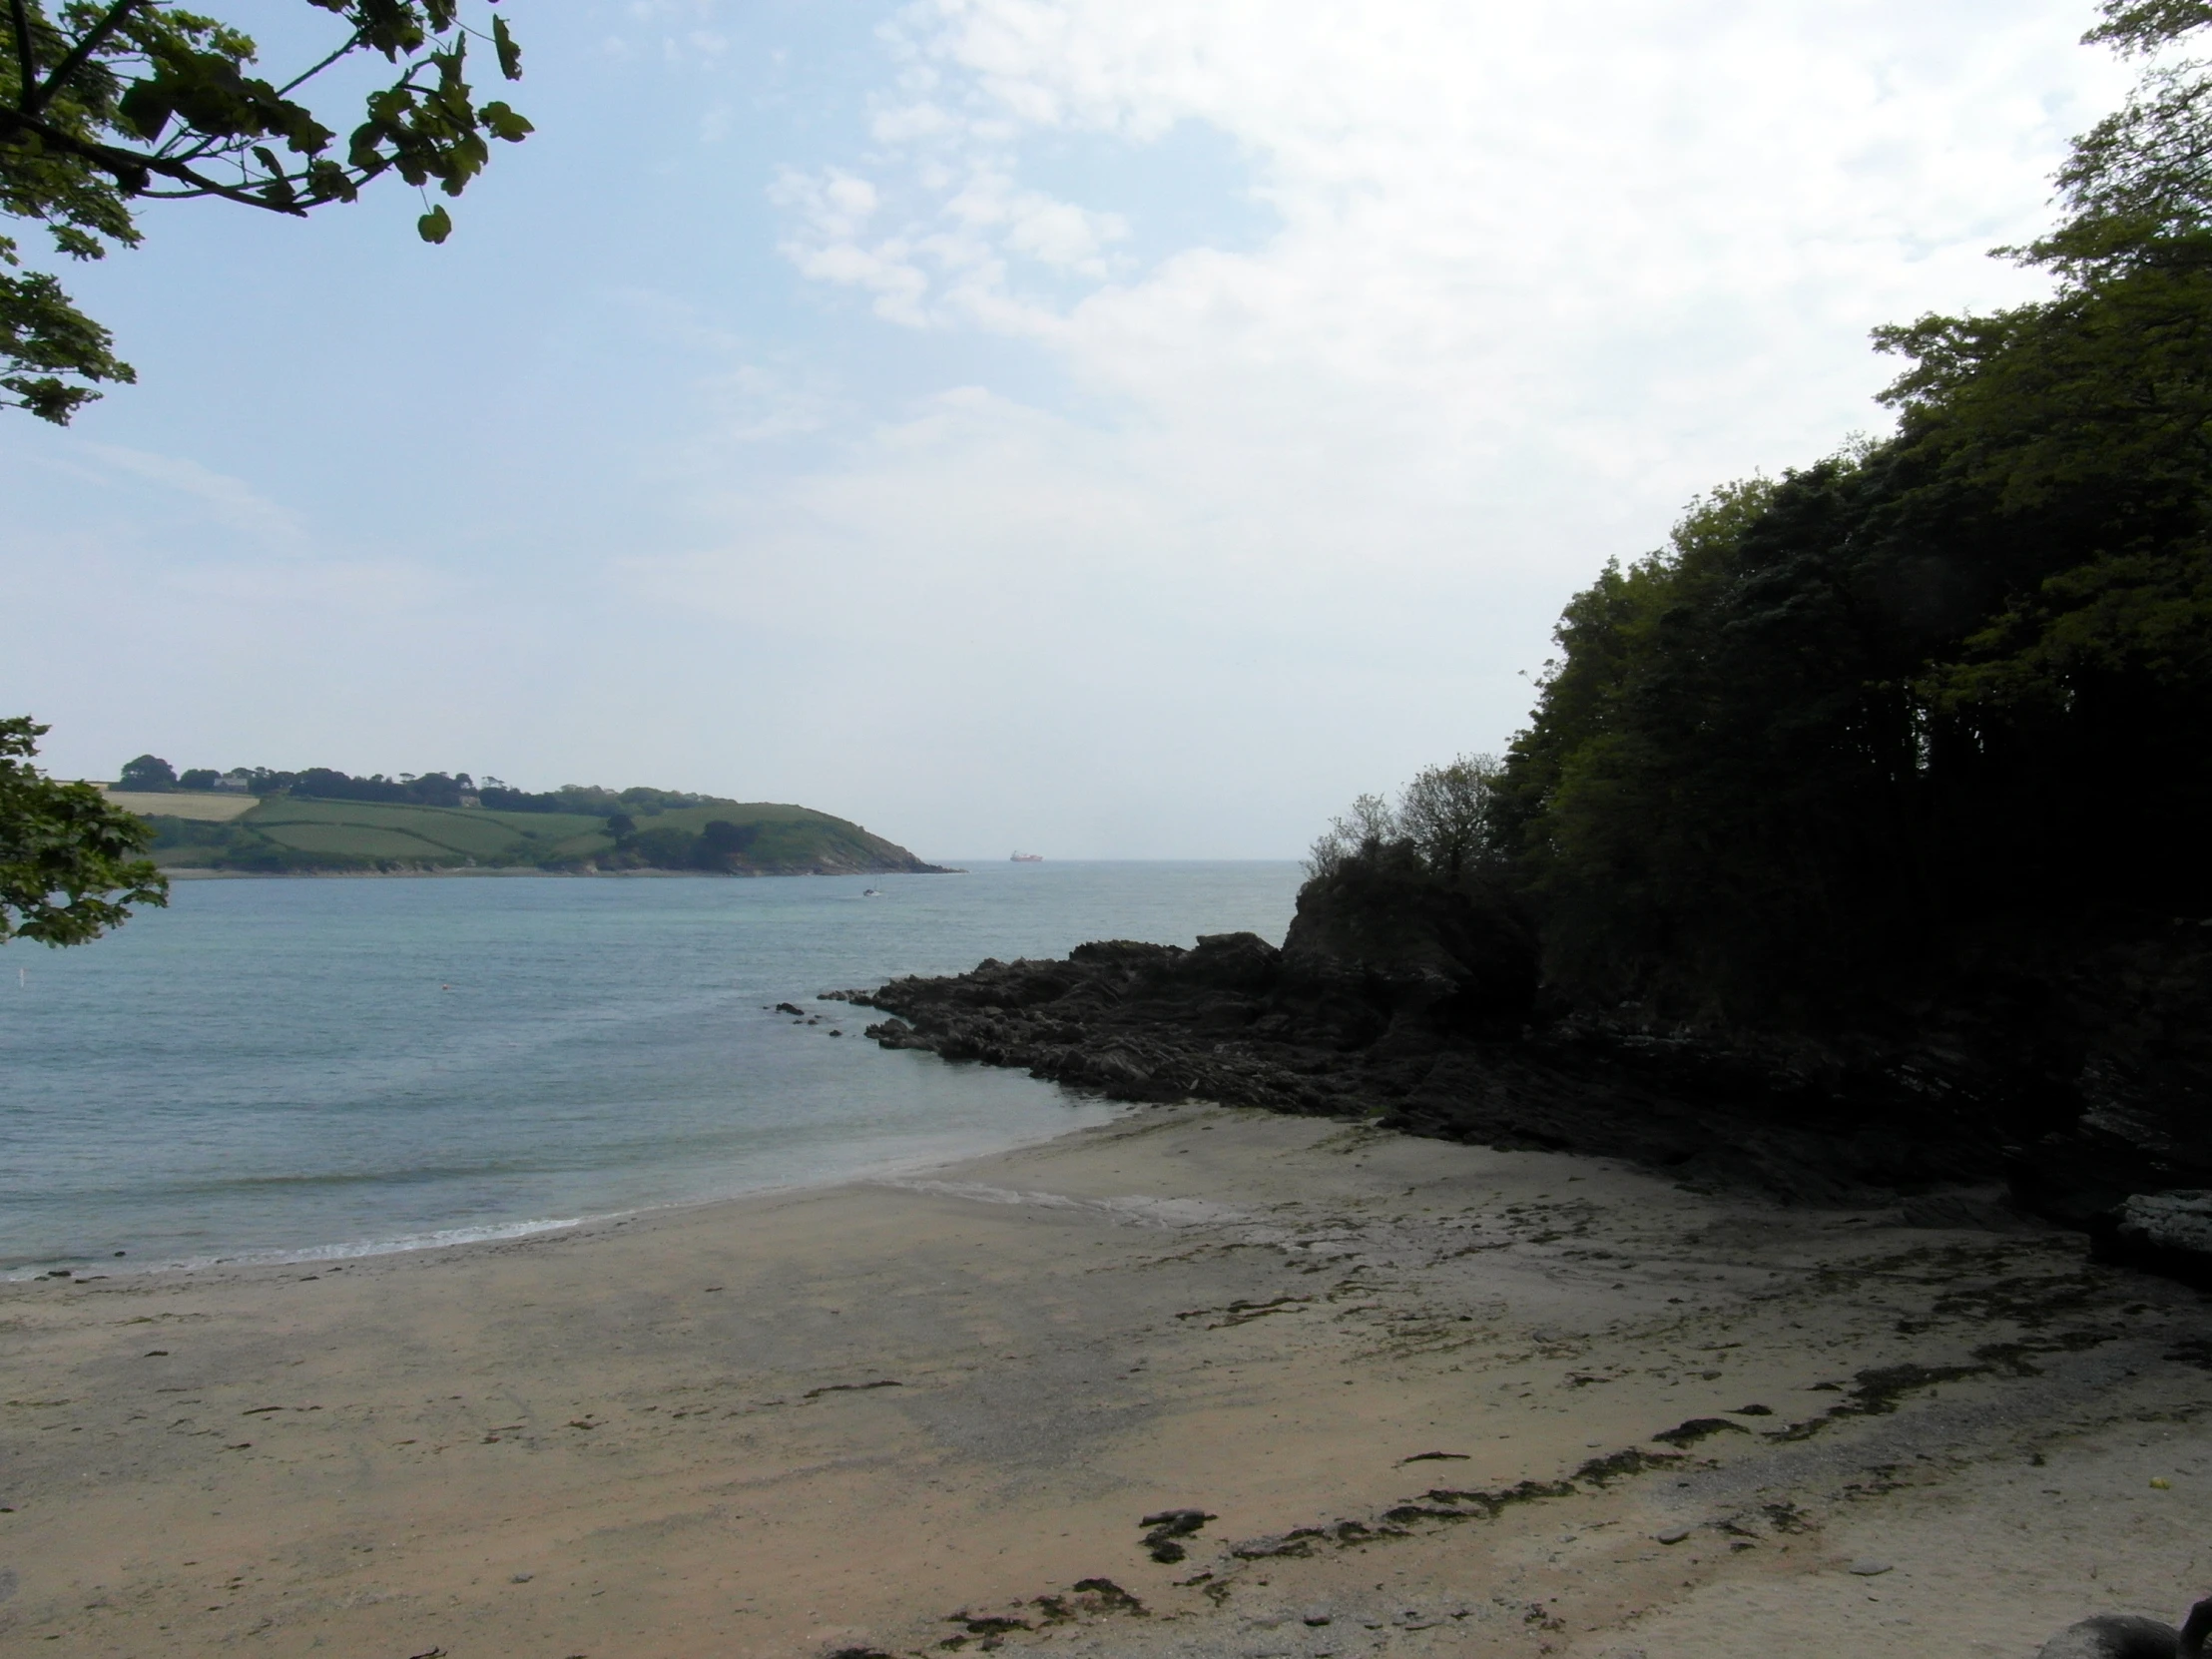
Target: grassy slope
192,803
286,835
791,837
444,833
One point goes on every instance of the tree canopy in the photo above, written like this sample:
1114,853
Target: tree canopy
1935,701
1931,712
106,104
70,868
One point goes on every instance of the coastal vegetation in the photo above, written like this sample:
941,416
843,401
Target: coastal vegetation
1923,719
323,820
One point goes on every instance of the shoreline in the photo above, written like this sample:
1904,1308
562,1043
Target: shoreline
492,1232
1420,1397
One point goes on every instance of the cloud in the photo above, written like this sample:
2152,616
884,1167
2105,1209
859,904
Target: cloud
683,30
833,210
229,503
1190,415
1530,286
1057,233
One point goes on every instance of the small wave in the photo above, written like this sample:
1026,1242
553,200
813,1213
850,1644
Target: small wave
420,1175
488,1233
1156,1212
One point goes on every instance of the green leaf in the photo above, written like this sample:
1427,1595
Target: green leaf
146,108
505,122
275,187
76,243
68,865
510,55
159,85
330,182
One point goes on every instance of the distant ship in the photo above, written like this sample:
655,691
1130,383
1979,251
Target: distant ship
1027,858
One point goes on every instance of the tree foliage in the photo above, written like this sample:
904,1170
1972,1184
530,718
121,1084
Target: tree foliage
1932,710
69,858
147,772
107,102
1441,827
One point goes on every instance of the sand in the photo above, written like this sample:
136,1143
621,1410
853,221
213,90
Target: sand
930,1415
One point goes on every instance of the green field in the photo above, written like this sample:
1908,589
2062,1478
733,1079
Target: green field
204,805
283,835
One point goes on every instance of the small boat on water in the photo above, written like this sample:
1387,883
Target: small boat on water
1026,858
872,892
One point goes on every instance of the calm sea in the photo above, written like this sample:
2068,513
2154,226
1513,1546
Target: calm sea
281,1068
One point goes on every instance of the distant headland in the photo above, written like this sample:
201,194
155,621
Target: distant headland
252,820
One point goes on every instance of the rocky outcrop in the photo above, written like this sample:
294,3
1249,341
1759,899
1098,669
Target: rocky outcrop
2169,1232
1421,1009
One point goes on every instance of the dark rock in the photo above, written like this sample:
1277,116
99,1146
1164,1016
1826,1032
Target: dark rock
2071,1092
1439,1047
1104,1595
1437,955
1167,1527
791,1008
2168,1232
1698,1429
985,1624
1176,1524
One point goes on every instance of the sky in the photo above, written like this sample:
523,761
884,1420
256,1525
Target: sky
1109,428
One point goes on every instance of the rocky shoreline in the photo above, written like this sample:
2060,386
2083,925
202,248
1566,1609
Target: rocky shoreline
1421,1013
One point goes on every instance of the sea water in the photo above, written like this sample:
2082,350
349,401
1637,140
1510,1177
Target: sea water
273,1069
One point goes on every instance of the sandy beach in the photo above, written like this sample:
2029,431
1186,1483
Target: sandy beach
1425,1397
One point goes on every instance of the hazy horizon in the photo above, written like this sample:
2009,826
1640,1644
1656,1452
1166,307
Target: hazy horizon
1113,430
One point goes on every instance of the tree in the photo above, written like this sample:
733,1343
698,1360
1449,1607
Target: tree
722,843
69,857
1445,826
1446,812
1929,712
107,102
147,771
1364,833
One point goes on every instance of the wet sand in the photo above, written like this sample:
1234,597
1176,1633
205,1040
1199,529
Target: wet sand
1427,1398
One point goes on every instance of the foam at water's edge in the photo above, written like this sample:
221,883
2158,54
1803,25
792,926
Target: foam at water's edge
1156,1212
331,1252
892,1172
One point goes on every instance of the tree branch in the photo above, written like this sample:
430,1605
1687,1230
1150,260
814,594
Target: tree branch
26,62
308,74
79,56
124,163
